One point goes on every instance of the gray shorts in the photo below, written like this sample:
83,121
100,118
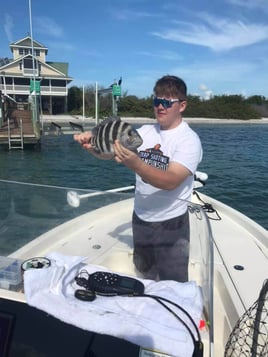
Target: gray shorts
161,249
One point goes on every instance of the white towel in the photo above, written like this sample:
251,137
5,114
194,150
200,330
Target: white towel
140,320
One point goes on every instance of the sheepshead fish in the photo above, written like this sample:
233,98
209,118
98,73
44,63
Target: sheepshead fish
111,129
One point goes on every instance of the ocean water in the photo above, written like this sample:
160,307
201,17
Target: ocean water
235,159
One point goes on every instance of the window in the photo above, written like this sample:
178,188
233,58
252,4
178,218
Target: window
28,66
22,81
58,83
45,82
28,63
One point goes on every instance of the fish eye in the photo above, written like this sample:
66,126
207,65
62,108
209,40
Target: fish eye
130,136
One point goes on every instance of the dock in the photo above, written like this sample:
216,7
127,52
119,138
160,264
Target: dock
19,130
65,124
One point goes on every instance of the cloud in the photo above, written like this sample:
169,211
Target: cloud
206,92
8,26
127,15
60,45
223,76
166,55
212,71
46,25
216,33
250,4
91,53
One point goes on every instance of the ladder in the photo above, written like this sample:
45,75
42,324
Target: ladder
15,141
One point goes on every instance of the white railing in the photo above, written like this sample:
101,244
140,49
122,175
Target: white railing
46,89
30,72
25,89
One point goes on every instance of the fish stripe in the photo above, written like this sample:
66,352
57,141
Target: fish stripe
98,141
113,133
102,135
125,127
105,137
117,130
104,140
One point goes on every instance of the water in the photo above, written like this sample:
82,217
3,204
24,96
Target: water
235,158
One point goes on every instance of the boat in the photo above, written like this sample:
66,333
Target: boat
60,232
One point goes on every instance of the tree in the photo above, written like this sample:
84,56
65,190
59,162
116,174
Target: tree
220,106
74,99
134,106
257,99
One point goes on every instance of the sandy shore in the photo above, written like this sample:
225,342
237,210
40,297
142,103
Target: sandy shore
80,120
206,121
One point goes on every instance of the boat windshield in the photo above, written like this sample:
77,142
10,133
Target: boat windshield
29,210
39,215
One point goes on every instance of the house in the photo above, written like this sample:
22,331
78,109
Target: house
26,74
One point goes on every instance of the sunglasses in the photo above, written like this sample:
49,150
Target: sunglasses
166,103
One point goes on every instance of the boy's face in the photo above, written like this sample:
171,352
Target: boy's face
169,116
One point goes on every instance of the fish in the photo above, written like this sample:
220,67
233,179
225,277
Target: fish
111,129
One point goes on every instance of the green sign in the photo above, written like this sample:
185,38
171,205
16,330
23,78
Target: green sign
34,86
116,90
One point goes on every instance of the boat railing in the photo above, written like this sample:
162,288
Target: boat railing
201,262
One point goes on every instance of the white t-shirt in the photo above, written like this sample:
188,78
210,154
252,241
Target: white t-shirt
159,148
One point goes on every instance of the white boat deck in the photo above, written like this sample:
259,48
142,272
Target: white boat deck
108,242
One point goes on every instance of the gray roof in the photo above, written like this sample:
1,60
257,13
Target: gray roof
60,66
27,42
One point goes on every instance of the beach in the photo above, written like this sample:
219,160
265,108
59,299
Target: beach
140,120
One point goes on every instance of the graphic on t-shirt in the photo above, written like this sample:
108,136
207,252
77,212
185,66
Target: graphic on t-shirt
154,157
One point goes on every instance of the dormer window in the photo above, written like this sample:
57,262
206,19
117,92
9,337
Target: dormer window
29,69
26,51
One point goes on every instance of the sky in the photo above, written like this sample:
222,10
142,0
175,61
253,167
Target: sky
218,47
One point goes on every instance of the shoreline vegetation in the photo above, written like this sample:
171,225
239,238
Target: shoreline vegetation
65,118
219,106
